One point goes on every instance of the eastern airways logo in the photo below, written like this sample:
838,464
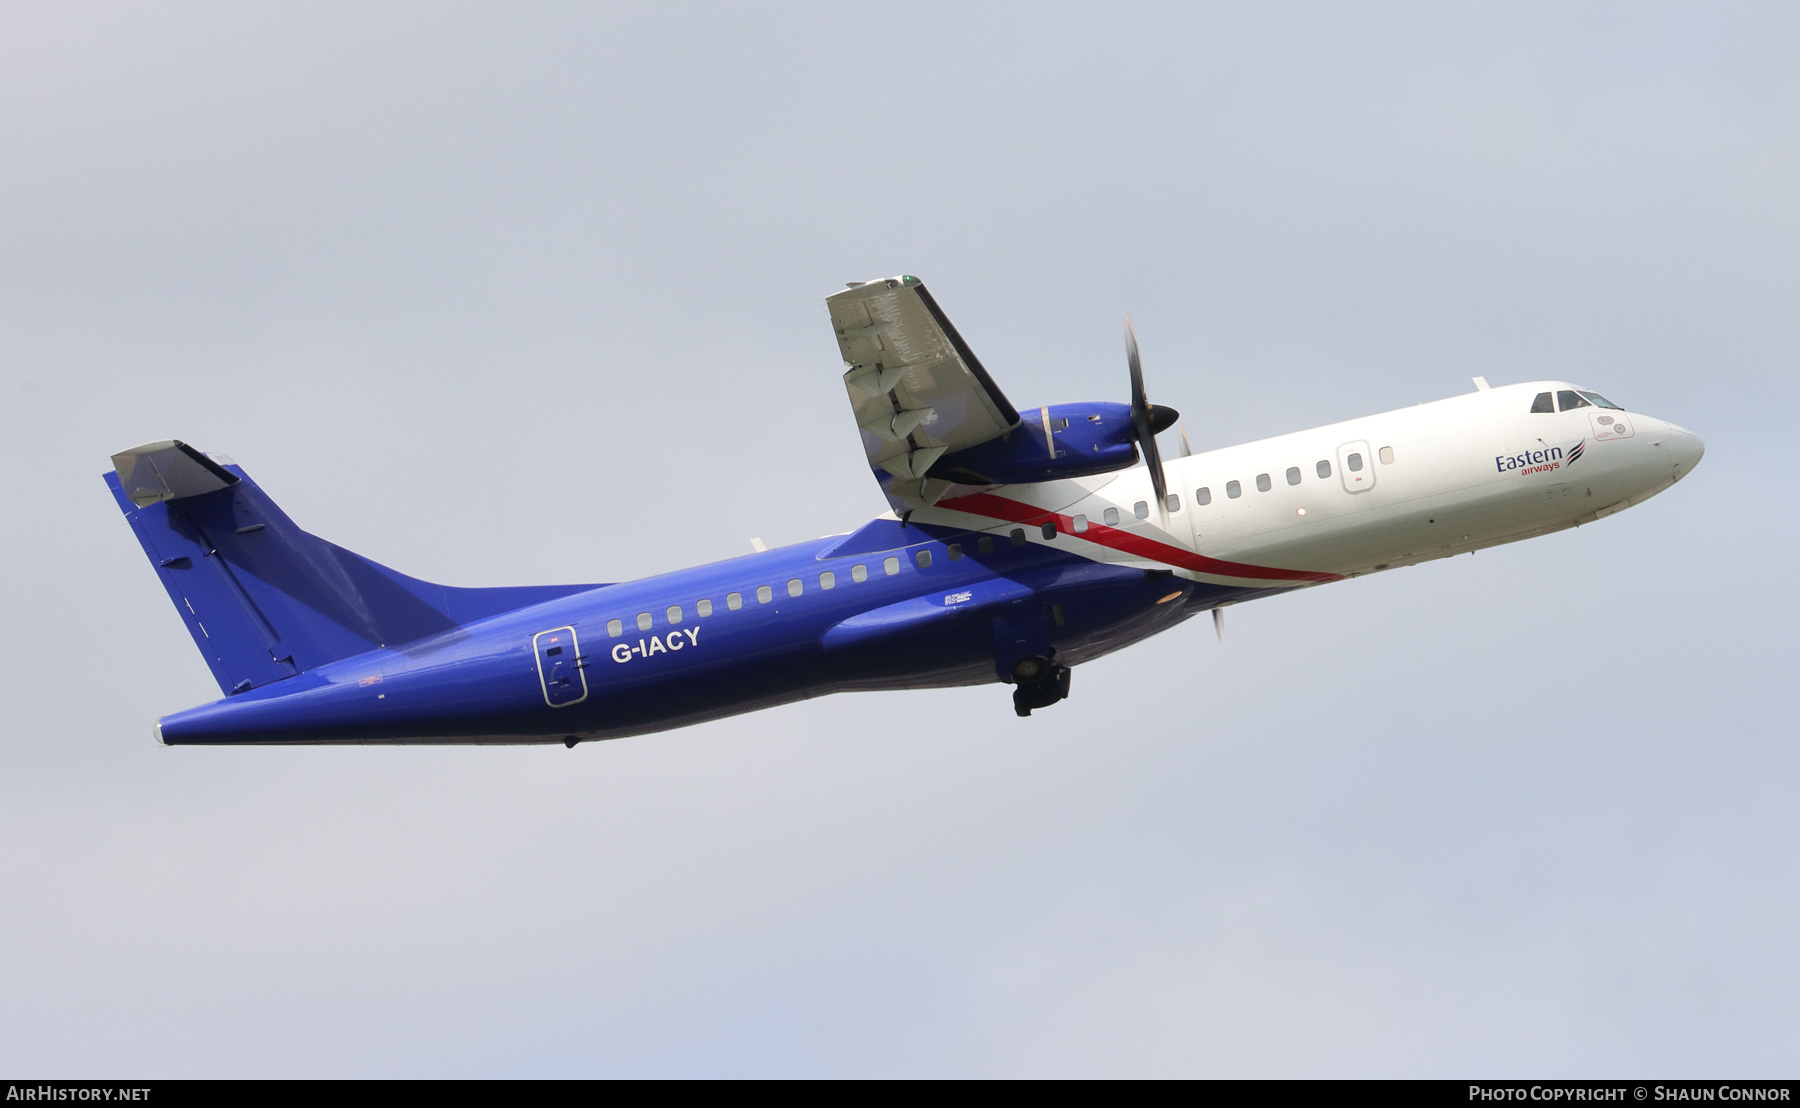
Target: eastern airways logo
1547,460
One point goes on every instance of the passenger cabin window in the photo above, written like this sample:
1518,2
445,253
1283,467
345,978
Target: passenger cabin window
1323,469
891,566
1566,400
1293,475
859,574
734,600
764,594
1017,535
704,607
923,557
1174,503
615,627
1600,401
1203,497
1541,403
795,587
1233,489
828,580
1262,482
1048,530
985,544
1141,509
1387,455
1110,517
954,550
674,613
1080,524
1354,461
643,621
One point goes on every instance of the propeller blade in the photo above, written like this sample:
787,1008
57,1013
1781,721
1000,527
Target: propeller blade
1143,417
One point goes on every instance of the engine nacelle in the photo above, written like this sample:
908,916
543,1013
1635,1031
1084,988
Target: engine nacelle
1090,438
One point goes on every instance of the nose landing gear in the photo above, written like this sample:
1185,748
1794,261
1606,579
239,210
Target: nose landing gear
1040,683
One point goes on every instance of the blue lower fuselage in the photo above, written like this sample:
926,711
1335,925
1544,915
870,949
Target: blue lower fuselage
931,609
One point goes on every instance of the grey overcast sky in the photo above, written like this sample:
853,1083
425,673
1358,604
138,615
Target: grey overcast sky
532,292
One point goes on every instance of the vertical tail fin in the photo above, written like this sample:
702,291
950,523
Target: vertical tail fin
263,599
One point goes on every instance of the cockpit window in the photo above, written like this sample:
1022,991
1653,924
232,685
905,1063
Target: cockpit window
1566,399
1541,403
1601,401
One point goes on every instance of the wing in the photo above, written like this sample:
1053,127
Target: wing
918,391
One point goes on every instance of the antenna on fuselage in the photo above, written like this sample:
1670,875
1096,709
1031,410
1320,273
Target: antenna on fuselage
1219,623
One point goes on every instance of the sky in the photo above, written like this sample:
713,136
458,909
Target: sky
532,293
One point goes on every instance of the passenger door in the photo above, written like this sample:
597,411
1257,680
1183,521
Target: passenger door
1356,465
561,669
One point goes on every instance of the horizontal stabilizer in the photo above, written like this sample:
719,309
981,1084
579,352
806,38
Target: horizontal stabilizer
168,470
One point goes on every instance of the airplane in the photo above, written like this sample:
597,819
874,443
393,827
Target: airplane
1017,546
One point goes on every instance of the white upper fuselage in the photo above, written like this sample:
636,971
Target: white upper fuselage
1401,487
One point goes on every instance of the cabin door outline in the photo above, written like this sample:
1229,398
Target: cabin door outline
1361,478
562,672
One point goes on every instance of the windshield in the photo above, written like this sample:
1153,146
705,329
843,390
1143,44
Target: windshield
1601,401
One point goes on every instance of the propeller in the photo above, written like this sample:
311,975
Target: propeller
1147,419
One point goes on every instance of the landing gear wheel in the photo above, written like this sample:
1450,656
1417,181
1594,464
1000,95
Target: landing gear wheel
1030,670
1041,683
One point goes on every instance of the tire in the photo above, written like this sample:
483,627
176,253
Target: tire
1029,670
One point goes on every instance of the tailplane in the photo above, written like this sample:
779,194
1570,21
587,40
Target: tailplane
263,599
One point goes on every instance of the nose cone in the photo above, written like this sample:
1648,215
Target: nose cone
1685,450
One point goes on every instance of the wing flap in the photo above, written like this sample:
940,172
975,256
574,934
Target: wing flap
917,389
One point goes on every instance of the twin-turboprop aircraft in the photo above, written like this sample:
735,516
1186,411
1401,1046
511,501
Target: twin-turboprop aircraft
1020,544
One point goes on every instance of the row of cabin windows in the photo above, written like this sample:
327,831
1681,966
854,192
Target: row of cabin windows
828,579
985,543
1202,496
1233,489
1353,462
1569,400
796,586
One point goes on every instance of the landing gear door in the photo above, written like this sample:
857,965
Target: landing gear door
561,668
1356,466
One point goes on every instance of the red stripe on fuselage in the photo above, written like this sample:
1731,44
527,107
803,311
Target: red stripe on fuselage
1126,542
